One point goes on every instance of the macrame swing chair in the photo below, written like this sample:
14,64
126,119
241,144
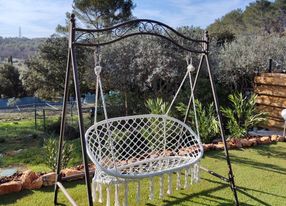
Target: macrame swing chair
131,148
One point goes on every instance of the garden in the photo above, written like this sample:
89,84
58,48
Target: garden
204,137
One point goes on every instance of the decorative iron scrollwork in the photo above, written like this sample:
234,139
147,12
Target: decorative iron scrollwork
100,37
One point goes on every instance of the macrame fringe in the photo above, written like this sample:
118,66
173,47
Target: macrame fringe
161,193
169,191
187,185
94,189
178,185
195,173
99,186
108,195
116,198
138,192
151,195
126,194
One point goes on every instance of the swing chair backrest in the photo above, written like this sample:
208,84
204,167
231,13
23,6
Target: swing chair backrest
142,145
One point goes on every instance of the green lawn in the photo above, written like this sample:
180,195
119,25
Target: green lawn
260,173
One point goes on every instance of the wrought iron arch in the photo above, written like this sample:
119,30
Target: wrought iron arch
93,38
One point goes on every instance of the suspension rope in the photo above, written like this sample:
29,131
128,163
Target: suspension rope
179,89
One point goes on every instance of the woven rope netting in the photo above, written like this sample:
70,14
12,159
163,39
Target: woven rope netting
142,146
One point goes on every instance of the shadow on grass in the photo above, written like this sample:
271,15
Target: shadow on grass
206,194
221,201
14,197
267,150
257,164
245,191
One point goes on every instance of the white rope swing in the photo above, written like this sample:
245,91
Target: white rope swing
131,148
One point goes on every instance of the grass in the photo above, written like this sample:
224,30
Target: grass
260,173
22,135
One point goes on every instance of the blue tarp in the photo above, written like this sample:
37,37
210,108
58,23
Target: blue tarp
25,101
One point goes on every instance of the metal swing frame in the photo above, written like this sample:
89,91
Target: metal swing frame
91,38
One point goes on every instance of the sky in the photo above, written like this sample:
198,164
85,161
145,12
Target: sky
39,18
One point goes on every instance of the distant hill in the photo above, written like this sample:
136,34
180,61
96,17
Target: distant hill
20,48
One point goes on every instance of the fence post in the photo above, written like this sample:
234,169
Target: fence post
35,116
44,119
270,66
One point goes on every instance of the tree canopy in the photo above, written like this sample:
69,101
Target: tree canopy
99,13
10,85
259,18
45,75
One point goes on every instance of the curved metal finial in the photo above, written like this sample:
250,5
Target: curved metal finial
100,37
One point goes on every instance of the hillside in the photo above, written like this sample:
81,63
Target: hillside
20,48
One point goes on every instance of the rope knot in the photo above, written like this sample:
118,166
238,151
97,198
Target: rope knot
191,68
97,69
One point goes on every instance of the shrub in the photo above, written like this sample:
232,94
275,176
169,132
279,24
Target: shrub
51,150
70,132
241,115
157,106
207,121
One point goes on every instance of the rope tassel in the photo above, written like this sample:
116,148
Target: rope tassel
138,193
116,198
187,185
108,195
100,192
94,188
169,191
161,193
126,194
151,196
195,173
178,185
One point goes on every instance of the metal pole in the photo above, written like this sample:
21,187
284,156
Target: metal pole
217,107
62,127
80,116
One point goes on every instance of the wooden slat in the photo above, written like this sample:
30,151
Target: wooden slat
270,80
272,111
283,75
273,123
271,101
271,90
279,91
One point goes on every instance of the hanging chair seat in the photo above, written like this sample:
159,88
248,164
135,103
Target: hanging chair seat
134,147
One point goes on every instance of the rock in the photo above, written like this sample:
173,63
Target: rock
208,147
70,172
253,141
265,140
274,138
237,143
245,143
219,146
281,139
49,179
231,145
9,187
30,180
36,184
